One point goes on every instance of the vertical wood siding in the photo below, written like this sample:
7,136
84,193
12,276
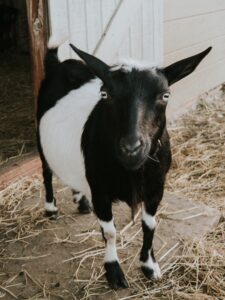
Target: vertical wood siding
111,29
190,26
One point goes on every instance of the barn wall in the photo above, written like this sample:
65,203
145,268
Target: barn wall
110,29
190,26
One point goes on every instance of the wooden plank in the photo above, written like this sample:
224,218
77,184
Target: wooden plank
94,23
179,34
107,9
191,87
148,31
78,24
174,9
158,31
216,54
59,22
26,166
37,23
124,49
136,35
115,32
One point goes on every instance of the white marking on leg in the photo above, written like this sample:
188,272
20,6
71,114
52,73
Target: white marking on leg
148,219
153,265
110,236
50,206
77,196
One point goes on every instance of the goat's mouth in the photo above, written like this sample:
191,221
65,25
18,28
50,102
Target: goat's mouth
133,162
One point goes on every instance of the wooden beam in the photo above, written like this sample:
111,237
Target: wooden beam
38,28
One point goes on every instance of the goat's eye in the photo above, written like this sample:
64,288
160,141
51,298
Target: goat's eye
166,97
104,95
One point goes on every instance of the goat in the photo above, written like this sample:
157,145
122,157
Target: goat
102,130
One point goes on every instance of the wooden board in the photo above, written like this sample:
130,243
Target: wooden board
110,29
179,9
37,22
182,33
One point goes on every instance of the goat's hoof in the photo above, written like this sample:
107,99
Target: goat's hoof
51,215
153,274
84,206
115,276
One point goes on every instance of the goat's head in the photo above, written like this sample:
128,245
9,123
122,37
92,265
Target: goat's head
138,97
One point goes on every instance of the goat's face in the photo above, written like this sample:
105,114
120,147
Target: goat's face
138,98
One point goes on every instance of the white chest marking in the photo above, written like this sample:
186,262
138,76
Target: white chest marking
61,128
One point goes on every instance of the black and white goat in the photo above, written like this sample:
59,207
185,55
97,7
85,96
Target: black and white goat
116,117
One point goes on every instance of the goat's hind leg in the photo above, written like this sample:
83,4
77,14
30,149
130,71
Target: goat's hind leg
83,203
51,210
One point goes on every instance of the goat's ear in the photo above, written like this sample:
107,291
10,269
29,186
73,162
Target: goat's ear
98,67
184,67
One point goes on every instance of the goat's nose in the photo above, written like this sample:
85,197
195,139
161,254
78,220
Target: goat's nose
130,147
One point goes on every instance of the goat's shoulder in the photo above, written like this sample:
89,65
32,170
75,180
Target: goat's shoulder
68,75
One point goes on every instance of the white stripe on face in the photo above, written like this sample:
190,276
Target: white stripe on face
109,231
50,206
148,219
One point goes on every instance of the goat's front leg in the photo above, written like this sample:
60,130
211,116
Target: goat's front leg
149,265
114,273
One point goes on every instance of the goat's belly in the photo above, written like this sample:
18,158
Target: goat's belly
60,130
61,148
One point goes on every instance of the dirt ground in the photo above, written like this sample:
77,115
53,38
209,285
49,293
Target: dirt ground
17,130
62,259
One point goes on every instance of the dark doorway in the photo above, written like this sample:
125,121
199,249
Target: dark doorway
23,34
17,125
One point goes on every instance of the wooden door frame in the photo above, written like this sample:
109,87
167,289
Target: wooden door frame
37,15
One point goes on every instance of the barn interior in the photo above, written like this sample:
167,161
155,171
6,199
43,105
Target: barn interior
17,130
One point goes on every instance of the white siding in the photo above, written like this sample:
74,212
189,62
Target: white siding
110,29
191,26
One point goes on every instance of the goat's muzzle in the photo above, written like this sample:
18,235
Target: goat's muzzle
132,152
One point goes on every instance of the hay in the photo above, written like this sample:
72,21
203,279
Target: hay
18,222
199,152
17,131
196,270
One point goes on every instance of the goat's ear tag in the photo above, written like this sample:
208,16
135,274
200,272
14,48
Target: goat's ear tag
104,95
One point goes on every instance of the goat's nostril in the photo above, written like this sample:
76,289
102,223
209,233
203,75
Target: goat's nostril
131,147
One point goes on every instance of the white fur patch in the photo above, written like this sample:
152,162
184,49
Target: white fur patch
148,219
61,128
110,235
57,39
50,206
128,64
78,196
153,266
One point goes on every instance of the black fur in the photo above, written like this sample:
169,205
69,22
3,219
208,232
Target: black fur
84,206
115,276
